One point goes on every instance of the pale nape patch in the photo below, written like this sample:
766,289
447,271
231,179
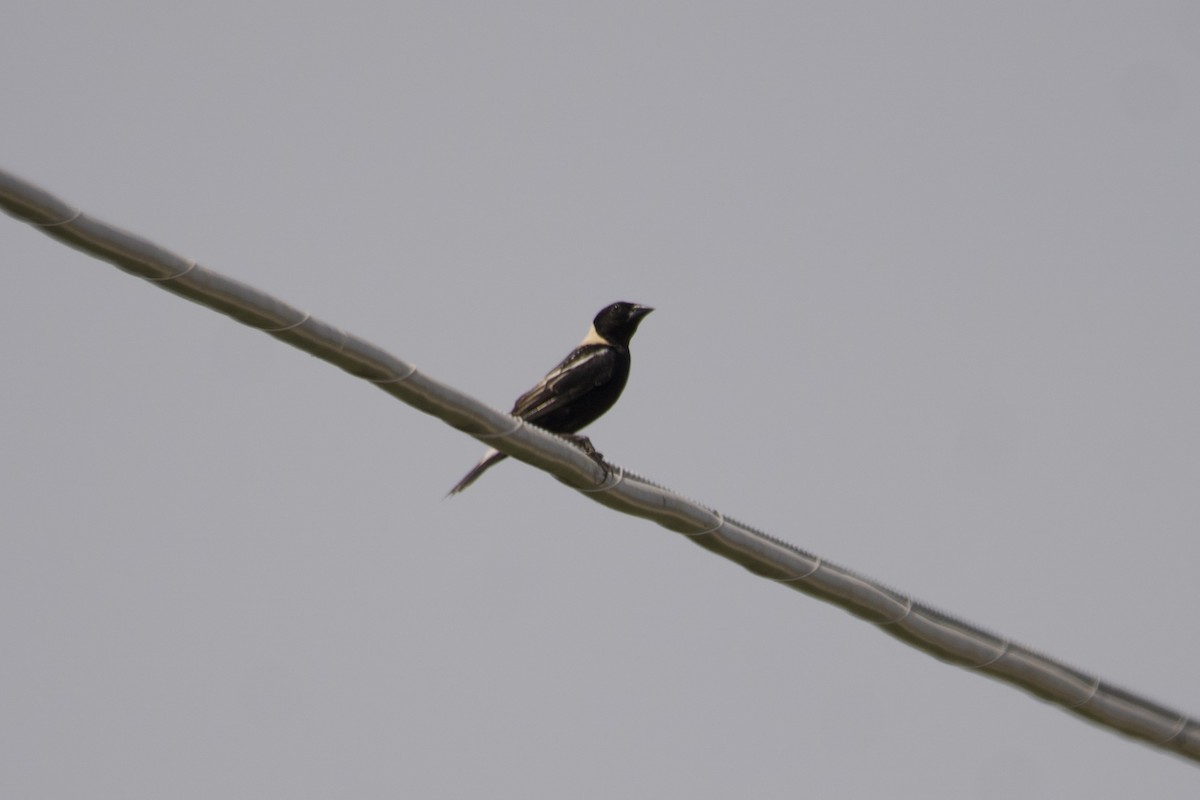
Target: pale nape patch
593,338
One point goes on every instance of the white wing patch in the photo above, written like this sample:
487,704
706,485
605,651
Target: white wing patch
547,394
572,364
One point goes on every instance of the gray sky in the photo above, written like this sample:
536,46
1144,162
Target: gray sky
927,287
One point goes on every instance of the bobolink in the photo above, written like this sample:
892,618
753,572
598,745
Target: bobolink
582,387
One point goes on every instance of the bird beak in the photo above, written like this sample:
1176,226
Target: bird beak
641,311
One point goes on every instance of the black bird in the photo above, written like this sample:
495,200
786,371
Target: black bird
582,387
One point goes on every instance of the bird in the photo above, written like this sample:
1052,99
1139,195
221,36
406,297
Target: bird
581,388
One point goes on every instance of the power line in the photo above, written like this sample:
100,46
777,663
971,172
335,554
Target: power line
940,635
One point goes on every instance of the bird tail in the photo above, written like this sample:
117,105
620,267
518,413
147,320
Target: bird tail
489,458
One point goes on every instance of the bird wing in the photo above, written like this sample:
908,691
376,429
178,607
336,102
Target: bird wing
580,372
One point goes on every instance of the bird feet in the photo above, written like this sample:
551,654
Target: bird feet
585,444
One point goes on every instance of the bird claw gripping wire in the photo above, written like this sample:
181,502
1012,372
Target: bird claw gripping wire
585,444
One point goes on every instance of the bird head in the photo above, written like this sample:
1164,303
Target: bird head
618,322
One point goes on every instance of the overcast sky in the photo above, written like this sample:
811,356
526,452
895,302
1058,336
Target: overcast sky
927,289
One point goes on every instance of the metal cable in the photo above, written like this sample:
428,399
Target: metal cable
921,626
